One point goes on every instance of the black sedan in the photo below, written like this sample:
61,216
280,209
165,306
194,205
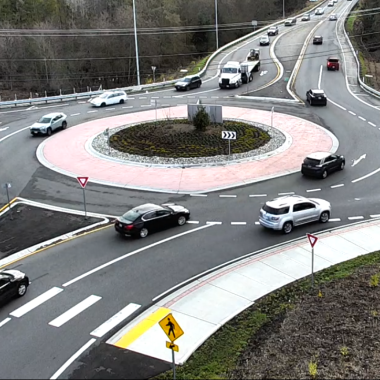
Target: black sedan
317,40
13,283
188,83
316,97
142,220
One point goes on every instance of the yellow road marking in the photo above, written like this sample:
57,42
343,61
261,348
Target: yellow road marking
142,327
55,244
8,204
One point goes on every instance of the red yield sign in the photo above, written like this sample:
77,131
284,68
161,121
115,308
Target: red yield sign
82,181
312,239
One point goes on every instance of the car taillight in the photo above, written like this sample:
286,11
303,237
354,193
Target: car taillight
128,227
275,218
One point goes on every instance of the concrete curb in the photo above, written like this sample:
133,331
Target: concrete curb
27,251
272,100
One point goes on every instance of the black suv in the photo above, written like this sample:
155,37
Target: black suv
320,164
188,83
317,40
316,97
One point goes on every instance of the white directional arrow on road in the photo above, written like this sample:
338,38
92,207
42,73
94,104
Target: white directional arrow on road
263,73
355,162
3,129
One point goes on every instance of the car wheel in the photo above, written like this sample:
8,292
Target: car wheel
324,174
287,227
325,216
181,220
103,105
64,125
187,88
144,232
342,165
121,101
49,131
199,85
21,290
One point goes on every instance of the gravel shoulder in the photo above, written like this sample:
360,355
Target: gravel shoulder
26,226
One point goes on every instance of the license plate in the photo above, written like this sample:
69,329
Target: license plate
120,225
319,97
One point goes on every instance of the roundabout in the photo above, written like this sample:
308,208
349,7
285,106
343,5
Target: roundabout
71,153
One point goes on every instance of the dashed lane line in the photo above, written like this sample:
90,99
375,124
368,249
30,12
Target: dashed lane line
128,107
334,220
373,125
5,321
336,186
219,223
375,216
155,97
362,118
257,195
92,111
192,222
290,193
257,223
75,114
142,97
227,196
355,217
145,105
131,98
313,190
352,113
198,195
110,109
238,223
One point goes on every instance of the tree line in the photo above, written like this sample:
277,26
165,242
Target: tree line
47,45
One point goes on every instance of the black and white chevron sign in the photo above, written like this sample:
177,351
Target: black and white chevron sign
228,135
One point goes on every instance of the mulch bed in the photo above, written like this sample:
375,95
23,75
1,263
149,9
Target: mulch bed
178,138
331,334
34,225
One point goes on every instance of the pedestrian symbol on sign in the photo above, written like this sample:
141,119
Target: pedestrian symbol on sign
171,327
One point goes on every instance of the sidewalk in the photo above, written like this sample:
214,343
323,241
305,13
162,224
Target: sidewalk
205,305
66,153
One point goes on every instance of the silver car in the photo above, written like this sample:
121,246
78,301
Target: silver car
49,123
289,211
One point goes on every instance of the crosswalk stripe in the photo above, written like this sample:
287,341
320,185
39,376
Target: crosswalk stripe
36,302
115,320
74,311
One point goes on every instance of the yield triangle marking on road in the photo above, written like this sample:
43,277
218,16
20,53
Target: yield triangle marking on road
312,239
82,181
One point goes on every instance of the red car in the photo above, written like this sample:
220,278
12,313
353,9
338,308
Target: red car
333,63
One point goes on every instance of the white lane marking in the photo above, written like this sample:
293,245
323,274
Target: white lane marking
12,134
312,190
82,102
362,157
105,265
36,302
213,223
110,109
75,114
31,108
238,223
192,222
375,216
355,217
362,118
352,113
128,107
73,358
336,104
197,93
131,98
227,196
203,97
155,97
74,311
290,193
335,186
167,97
198,195
91,111
40,108
142,97
257,195
6,320
214,97
320,77
334,220
257,223
115,320
146,105
366,176
357,199
373,125
3,129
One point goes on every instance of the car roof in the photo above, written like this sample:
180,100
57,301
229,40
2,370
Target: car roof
318,155
333,57
321,92
317,36
147,207
53,114
286,200
274,27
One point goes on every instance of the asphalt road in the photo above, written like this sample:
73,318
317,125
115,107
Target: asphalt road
150,266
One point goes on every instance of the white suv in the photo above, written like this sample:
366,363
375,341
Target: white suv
284,213
108,98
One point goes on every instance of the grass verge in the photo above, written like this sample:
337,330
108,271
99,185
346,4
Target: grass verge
220,354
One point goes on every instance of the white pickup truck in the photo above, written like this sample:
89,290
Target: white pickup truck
230,75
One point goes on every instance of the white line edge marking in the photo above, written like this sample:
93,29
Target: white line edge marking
375,216
227,196
373,125
198,195
334,220
112,322
257,223
355,217
110,109
366,176
105,265
73,358
362,118
320,77
128,107
75,114
312,190
290,193
238,223
257,195
213,223
335,186
36,302
74,311
192,222
13,133
336,104
352,113
357,199
92,111
6,320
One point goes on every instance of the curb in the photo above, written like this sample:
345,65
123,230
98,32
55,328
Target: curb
55,241
7,205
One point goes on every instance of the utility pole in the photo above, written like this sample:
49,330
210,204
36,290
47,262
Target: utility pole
283,9
136,44
216,24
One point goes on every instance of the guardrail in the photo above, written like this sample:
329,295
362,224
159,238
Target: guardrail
364,86
152,86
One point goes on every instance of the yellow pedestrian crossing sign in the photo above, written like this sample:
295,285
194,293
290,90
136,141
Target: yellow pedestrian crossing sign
171,327
172,346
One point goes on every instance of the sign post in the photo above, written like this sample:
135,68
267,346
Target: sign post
229,135
271,119
154,73
312,240
173,331
7,186
83,182
153,102
107,134
254,24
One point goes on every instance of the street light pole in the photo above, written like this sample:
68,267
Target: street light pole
136,45
283,9
216,24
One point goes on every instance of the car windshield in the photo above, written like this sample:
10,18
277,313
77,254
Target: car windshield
186,80
103,96
45,120
276,211
311,161
334,60
229,70
132,215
